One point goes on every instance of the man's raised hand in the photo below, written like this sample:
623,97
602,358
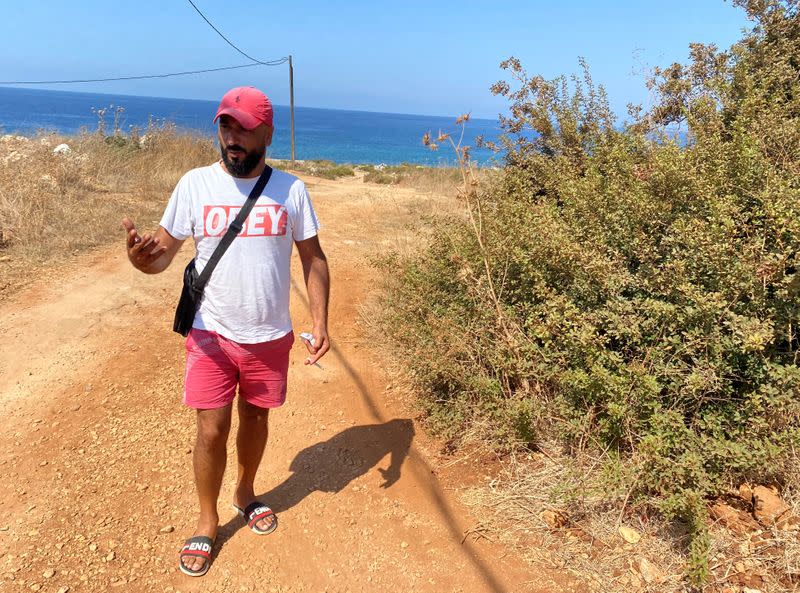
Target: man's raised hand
142,250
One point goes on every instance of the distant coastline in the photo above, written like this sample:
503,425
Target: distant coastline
357,137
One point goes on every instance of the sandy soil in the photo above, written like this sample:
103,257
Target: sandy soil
96,488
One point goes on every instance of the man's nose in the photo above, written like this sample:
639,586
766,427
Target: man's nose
230,137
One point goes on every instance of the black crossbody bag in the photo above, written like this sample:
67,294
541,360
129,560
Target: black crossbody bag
194,283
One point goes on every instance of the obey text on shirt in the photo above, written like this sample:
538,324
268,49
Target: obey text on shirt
265,220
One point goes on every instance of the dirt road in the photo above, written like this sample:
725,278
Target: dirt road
96,488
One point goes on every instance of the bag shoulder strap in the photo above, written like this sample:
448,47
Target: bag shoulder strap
234,229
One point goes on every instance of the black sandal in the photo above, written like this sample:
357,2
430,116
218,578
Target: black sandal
197,546
256,511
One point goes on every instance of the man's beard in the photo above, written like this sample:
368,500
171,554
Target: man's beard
242,167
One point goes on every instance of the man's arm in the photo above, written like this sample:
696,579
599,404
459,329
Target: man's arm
315,270
150,254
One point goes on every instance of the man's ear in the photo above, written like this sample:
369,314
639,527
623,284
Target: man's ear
268,138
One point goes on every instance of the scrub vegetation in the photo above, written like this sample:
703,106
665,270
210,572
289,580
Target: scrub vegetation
624,295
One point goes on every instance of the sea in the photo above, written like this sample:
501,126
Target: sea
357,137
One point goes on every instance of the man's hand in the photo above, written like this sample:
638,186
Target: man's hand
321,345
149,253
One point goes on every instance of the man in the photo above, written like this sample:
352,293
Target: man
242,332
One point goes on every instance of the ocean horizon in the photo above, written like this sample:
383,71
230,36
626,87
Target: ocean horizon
342,136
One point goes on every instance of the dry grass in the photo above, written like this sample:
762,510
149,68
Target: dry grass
586,540
56,206
437,180
53,206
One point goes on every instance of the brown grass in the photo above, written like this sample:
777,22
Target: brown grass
54,206
437,180
590,546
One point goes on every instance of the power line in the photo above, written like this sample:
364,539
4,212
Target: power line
276,62
229,42
144,76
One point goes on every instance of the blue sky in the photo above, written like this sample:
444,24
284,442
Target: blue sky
426,57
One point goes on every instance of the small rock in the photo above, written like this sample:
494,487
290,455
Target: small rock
746,493
62,149
629,535
650,573
167,529
553,519
737,521
768,507
49,573
110,556
788,521
404,545
93,547
63,589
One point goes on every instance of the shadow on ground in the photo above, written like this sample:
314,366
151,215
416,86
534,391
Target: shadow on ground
419,466
329,466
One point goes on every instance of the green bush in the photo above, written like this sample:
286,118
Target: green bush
122,142
381,177
334,171
631,288
320,168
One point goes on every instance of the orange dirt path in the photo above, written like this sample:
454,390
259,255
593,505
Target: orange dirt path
96,488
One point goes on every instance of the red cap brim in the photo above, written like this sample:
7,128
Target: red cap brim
247,121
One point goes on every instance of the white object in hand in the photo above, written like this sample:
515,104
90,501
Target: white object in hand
308,337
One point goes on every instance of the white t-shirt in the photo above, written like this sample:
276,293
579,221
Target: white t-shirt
247,297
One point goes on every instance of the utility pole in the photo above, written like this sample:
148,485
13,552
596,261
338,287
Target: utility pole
291,101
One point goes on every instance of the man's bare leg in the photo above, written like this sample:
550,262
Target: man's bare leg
210,453
251,439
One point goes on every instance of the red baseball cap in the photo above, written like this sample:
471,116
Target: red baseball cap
247,105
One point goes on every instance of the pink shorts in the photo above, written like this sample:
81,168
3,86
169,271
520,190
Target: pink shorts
215,365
